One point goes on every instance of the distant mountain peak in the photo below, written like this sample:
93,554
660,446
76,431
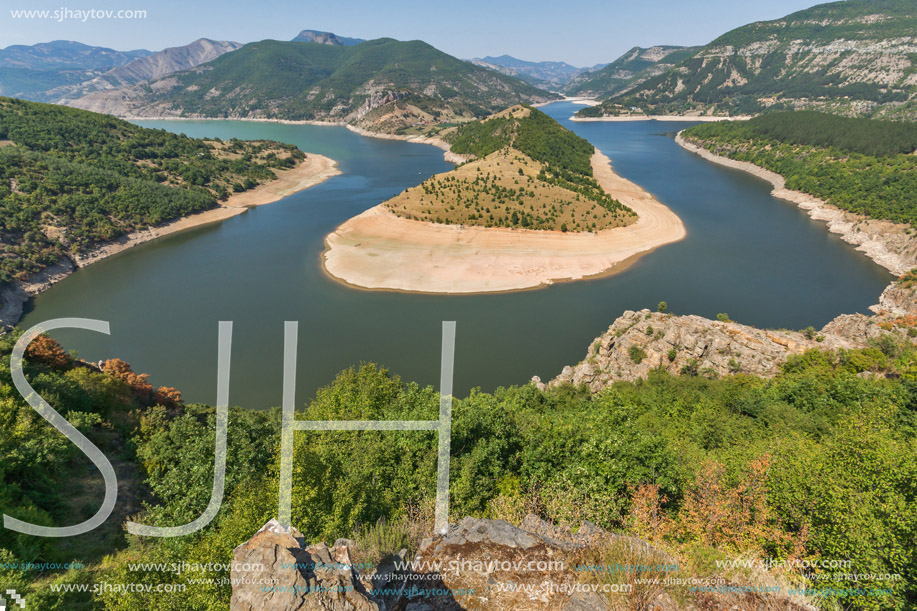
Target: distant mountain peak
326,38
553,75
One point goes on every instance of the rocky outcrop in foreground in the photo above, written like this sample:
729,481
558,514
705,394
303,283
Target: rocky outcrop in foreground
640,342
478,564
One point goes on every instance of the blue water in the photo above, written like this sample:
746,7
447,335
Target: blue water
757,258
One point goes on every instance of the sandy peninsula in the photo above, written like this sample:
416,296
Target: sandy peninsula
380,250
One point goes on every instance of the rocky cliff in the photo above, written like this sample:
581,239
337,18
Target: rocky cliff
640,342
628,71
855,57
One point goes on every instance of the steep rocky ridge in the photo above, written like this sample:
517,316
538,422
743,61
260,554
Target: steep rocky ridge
154,66
628,71
638,343
855,57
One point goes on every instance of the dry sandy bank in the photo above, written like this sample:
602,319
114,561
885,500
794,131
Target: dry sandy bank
379,250
313,170
888,244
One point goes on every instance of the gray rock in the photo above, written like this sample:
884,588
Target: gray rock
498,532
309,578
638,343
585,601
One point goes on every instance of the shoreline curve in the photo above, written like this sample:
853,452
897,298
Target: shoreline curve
888,244
378,250
313,170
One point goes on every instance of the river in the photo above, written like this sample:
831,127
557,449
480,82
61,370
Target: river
757,258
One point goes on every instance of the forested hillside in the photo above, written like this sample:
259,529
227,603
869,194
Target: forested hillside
855,57
71,179
859,165
818,464
384,85
529,172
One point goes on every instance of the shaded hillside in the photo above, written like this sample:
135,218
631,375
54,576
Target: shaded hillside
628,71
70,73
71,179
383,85
857,57
65,55
157,65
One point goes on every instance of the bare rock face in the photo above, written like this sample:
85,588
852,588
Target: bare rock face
640,342
274,570
896,300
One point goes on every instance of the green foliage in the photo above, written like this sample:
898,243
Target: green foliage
662,307
636,354
841,476
74,179
859,168
868,137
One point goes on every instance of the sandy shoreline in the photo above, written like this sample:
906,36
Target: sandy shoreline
312,171
704,119
448,155
886,243
583,101
379,250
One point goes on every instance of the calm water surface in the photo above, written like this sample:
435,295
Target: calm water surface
759,259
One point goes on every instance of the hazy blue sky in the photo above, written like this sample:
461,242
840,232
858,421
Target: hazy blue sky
581,32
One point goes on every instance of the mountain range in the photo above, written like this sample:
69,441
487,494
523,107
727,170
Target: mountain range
30,71
856,57
382,85
64,70
628,71
326,38
548,75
